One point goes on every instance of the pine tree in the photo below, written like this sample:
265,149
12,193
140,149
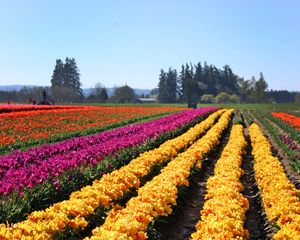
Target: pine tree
162,94
244,89
230,80
103,96
65,81
190,93
170,86
58,74
206,79
72,76
198,78
218,85
260,89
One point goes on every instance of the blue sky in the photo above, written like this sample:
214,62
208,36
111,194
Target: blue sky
118,42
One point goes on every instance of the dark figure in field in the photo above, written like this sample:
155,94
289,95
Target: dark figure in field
44,99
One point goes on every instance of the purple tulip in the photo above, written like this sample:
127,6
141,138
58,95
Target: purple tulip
34,166
291,143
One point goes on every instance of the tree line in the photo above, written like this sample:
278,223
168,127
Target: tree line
192,84
206,83
66,86
98,94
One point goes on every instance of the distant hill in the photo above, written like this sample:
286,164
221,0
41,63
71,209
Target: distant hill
86,91
14,87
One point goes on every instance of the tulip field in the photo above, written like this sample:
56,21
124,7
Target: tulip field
52,123
148,172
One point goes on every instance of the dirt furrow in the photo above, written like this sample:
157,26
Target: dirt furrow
181,223
256,222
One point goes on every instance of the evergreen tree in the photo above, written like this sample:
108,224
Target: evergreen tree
72,76
260,89
58,74
103,96
162,94
244,89
211,80
66,76
206,79
230,80
199,80
218,84
252,97
190,93
170,86
281,96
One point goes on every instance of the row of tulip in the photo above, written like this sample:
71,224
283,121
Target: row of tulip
280,197
286,127
284,135
55,189
19,158
223,214
21,129
73,212
291,143
292,120
29,107
157,196
27,169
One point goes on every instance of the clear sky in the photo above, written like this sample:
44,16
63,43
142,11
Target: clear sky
118,42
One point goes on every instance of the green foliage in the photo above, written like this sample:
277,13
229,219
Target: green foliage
238,120
190,89
259,106
207,98
58,74
222,97
260,89
234,98
167,86
197,80
65,81
281,96
247,117
72,76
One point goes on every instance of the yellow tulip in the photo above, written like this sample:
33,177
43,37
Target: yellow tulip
279,195
223,213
